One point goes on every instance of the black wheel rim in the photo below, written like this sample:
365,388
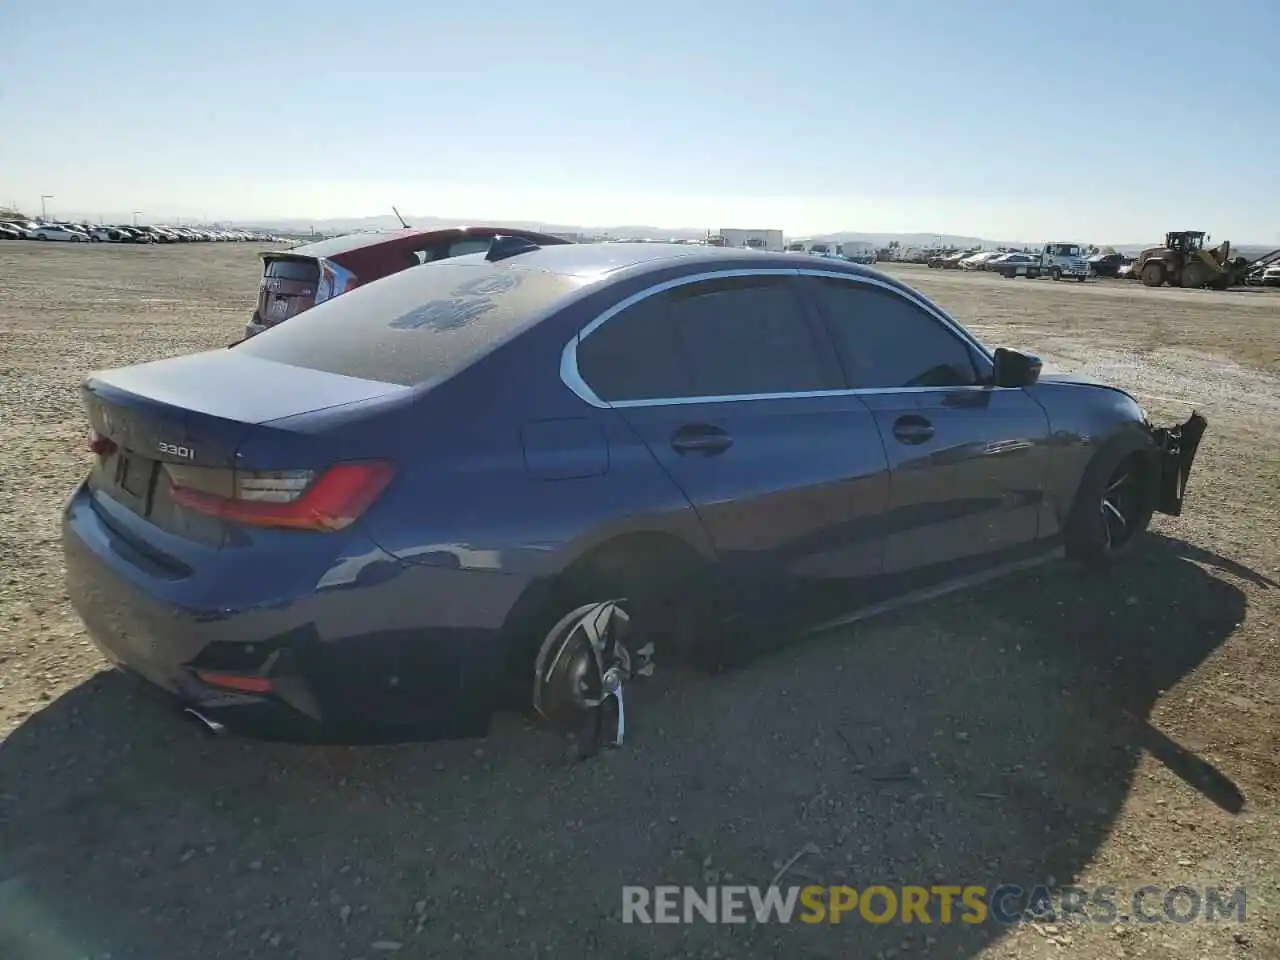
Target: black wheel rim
1121,500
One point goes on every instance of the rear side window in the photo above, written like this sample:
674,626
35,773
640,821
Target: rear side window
636,356
414,326
729,337
301,270
886,341
746,335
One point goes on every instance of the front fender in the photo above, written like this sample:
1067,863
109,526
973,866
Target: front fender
1086,421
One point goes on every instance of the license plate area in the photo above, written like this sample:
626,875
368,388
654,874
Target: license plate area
135,476
279,307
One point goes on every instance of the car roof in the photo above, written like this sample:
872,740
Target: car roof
591,260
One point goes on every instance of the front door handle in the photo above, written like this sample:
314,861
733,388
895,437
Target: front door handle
702,439
912,429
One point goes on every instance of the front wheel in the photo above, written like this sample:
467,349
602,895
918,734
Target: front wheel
1112,510
1055,274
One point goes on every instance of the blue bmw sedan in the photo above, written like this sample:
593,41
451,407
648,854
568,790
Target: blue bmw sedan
528,476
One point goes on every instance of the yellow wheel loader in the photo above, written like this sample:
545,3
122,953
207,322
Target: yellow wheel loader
1183,261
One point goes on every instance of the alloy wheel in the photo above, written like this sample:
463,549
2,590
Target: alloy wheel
582,668
1119,507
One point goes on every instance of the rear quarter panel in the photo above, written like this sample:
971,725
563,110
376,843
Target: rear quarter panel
510,471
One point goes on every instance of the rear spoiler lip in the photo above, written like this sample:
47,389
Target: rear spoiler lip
286,255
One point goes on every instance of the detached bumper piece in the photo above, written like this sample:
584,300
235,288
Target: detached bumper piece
1176,452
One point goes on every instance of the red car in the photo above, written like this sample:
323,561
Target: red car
296,280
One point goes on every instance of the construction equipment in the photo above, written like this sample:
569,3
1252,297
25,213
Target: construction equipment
1260,271
1183,261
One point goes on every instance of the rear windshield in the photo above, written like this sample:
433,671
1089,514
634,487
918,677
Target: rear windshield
305,270
422,324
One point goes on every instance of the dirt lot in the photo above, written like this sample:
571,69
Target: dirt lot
1052,728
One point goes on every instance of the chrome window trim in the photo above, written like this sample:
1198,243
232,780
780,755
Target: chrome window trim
572,378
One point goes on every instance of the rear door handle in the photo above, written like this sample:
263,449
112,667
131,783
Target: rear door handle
703,439
912,429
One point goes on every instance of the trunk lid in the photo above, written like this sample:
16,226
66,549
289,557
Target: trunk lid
155,420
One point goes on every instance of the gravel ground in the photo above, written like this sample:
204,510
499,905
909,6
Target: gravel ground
1051,728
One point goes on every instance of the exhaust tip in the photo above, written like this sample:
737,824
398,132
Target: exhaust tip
212,727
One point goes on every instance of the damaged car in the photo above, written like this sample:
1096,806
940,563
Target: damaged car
531,476
297,279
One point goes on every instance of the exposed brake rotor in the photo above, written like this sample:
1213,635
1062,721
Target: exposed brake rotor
582,667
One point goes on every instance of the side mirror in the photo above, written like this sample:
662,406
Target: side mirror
1014,369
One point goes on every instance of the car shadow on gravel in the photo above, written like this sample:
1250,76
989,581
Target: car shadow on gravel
987,738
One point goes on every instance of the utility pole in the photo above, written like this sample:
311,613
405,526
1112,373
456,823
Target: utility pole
135,217
44,216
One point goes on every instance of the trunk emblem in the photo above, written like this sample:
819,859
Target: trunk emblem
177,450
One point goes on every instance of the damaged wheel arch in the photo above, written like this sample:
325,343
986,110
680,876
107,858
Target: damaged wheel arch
1126,482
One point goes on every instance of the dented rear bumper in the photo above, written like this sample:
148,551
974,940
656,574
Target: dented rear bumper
1175,453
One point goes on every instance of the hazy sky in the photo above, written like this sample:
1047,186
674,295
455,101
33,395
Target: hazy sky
1101,121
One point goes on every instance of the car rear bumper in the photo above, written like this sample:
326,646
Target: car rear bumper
417,653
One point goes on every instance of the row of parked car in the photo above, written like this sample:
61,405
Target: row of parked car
98,233
1057,260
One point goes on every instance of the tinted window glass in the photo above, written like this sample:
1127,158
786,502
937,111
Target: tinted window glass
885,340
460,248
416,325
719,338
635,356
303,270
745,335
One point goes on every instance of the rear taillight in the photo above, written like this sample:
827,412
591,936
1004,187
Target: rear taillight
100,445
291,499
244,684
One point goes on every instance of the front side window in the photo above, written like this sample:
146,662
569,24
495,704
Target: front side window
735,336
885,341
